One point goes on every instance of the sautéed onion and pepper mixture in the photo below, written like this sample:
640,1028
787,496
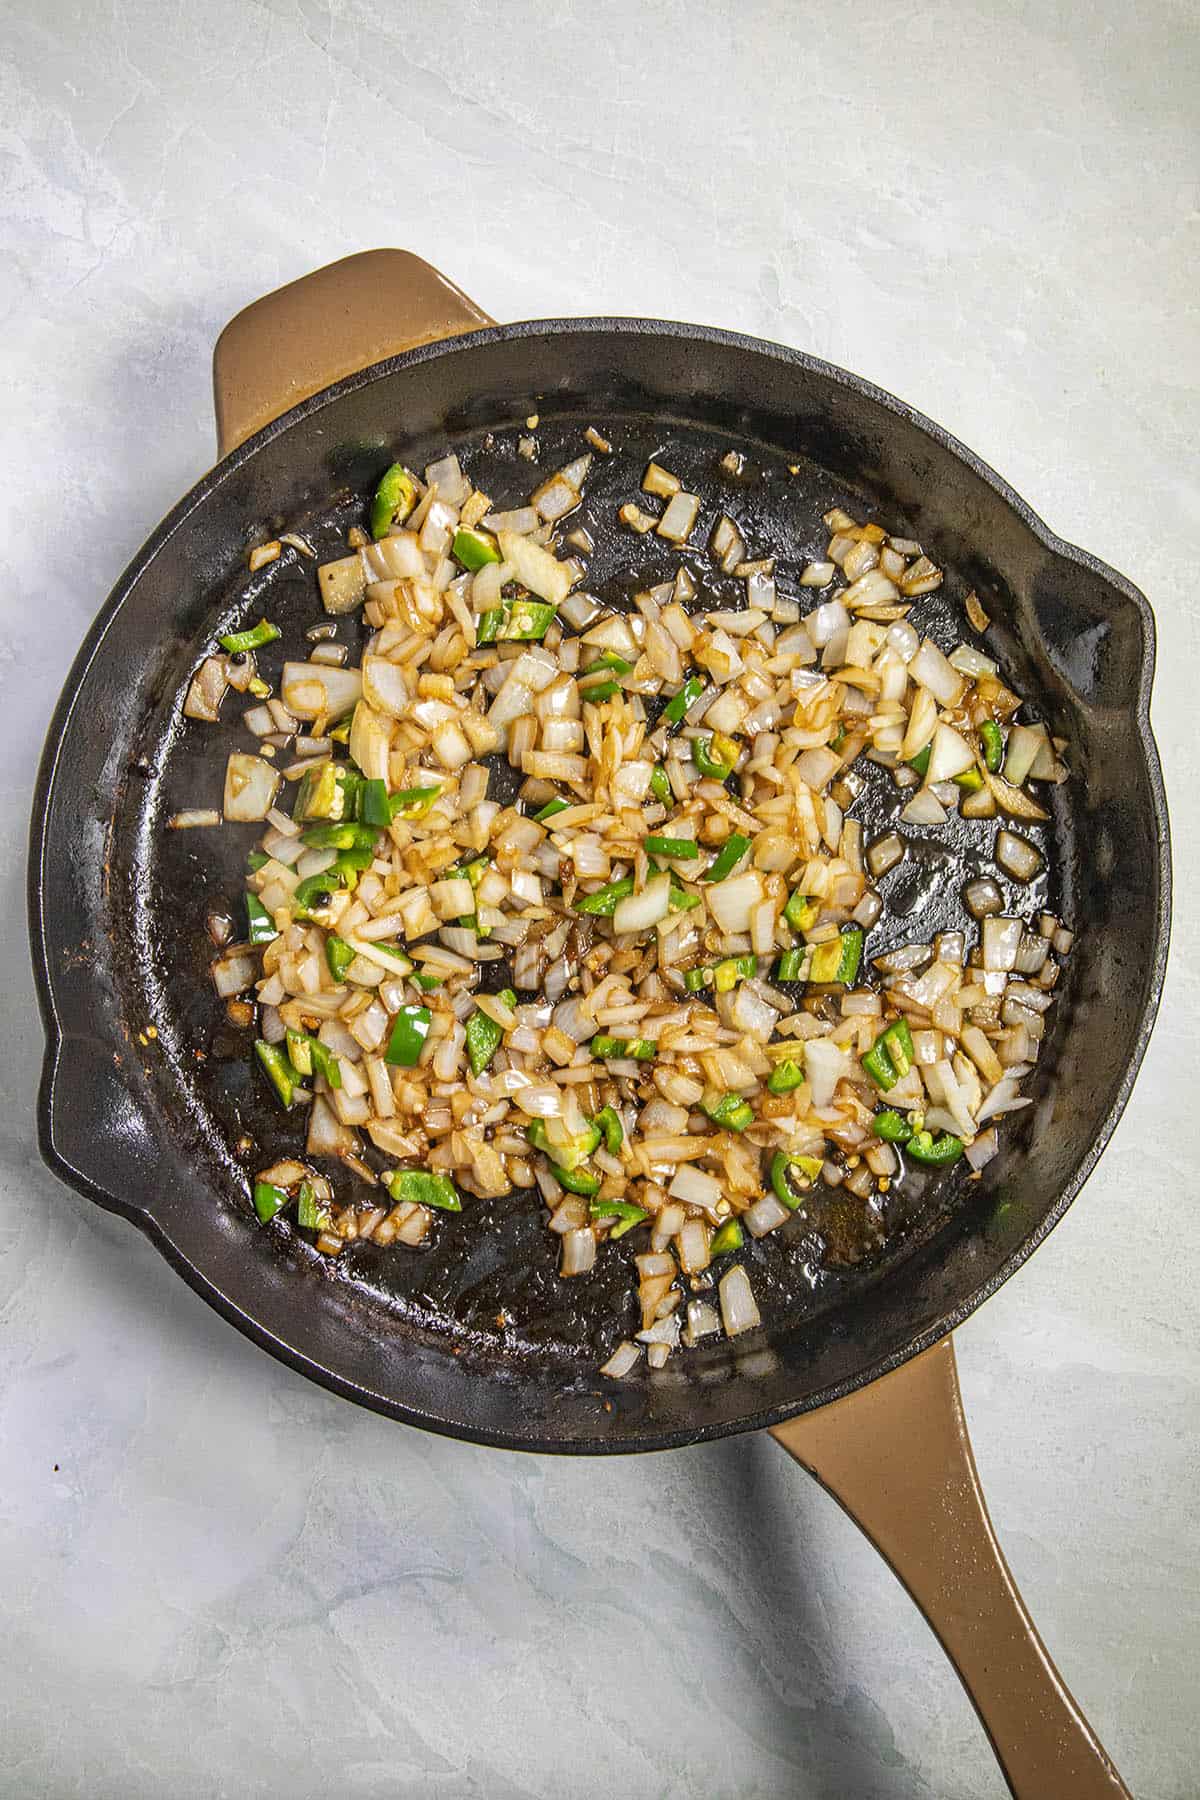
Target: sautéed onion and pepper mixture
645,990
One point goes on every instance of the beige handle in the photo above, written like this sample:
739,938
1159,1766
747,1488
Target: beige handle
339,319
898,1458
896,1454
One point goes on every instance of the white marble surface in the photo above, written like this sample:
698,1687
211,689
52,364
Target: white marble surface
217,1580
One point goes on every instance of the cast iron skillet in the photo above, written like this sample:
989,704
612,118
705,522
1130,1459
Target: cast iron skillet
148,1125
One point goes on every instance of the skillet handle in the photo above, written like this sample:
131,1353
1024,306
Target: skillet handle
896,1455
332,323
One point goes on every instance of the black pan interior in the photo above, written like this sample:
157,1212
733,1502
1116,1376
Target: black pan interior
476,1333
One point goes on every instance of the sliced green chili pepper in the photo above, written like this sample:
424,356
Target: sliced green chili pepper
609,660
576,1181
733,969
935,1153
687,697
801,912
784,1077
729,1111
414,803
425,981
515,622
325,1063
838,959
708,764
781,1163
257,859
791,965
309,1056
920,762
339,956
567,1156
624,1211
261,926
409,1032
474,868
696,980
474,549
340,733
605,1047
328,792
993,745
418,1187
891,1055
681,900
280,1072
660,785
484,1035
839,737
269,1199
970,781
374,806
599,691
610,1124
403,963
394,499
892,1127
728,857
312,895
346,836
729,1237
253,639
259,688
684,848
311,1214
551,810
603,903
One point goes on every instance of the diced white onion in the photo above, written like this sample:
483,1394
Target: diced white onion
738,1309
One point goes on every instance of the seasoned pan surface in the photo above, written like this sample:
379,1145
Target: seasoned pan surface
168,1126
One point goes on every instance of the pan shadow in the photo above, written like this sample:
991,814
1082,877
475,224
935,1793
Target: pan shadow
814,1713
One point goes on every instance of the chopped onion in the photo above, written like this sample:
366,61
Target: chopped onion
702,1321
234,972
934,672
732,902
251,784
1001,941
884,853
1017,856
313,690
826,621
1013,800
982,897
1021,752
825,1064
638,912
738,1310
193,819
766,1214
207,690
621,1361
678,518
951,755
981,1152
924,809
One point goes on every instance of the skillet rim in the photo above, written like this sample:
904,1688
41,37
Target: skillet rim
63,719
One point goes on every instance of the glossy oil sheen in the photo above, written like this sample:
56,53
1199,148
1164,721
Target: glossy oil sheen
117,904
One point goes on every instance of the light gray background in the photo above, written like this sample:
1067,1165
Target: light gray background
216,1580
